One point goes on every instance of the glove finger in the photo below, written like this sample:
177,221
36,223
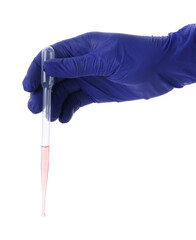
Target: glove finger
32,79
73,47
60,93
72,104
86,65
35,101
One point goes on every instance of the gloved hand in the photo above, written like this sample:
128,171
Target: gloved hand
106,67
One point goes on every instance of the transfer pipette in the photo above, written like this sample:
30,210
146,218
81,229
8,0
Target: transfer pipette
47,83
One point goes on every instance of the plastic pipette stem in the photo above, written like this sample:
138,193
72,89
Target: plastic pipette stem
44,175
47,84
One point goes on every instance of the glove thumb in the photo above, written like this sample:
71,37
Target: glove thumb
74,67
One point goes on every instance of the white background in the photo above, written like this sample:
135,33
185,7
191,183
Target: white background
117,171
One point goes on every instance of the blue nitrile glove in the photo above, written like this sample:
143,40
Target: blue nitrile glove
106,67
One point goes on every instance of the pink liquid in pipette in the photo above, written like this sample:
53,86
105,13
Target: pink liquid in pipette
44,175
